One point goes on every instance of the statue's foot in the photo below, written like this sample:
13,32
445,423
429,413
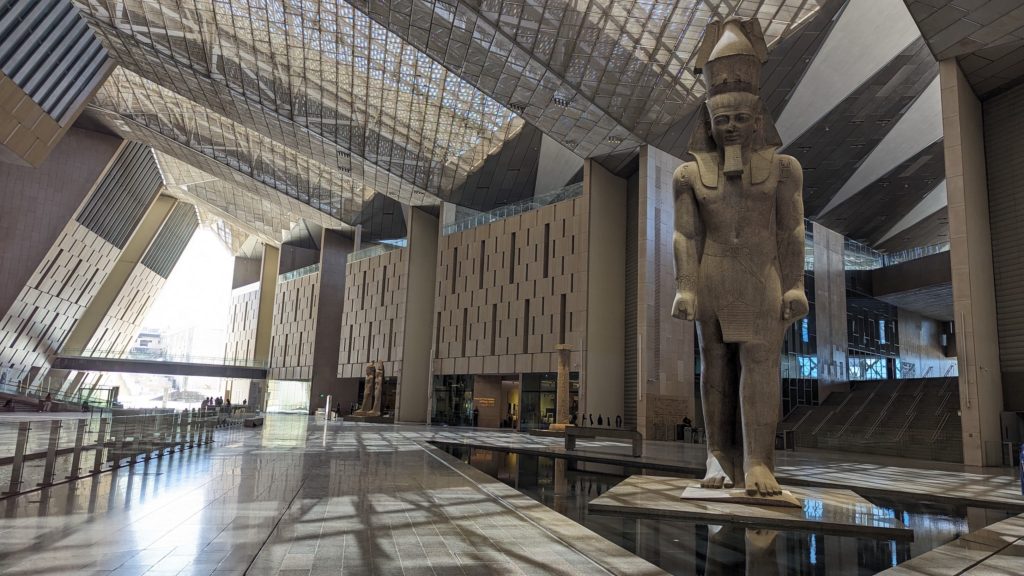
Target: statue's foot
716,476
761,482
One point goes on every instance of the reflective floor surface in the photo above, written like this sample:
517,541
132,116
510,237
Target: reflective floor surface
692,548
294,498
300,497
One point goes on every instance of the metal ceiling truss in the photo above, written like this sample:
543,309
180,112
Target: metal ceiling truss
331,102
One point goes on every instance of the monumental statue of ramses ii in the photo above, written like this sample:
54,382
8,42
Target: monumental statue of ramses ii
739,252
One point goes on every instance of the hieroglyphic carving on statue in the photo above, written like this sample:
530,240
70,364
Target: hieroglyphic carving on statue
739,242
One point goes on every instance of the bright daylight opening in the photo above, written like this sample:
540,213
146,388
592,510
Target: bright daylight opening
187,323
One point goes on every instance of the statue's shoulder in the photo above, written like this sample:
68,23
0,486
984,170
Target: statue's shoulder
788,166
684,173
787,162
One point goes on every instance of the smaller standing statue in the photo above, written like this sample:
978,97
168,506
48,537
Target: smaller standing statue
367,405
378,389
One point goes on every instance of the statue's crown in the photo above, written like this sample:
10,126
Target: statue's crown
730,56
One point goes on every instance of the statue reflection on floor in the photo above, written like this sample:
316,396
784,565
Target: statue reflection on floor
729,547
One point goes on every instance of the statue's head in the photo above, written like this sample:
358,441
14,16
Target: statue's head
370,369
735,118
730,58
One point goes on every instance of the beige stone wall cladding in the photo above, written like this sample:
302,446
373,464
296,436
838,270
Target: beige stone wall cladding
27,132
294,333
118,329
501,301
25,129
373,323
55,297
241,340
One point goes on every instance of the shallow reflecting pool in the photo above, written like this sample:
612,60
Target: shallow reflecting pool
692,549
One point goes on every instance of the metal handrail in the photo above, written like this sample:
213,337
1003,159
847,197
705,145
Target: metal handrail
304,271
105,442
527,205
914,253
375,250
100,396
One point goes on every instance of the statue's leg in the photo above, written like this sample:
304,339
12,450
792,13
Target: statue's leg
719,392
760,397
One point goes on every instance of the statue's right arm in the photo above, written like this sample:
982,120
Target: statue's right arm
686,243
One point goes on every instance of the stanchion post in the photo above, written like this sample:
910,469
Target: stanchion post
76,458
51,453
101,444
18,467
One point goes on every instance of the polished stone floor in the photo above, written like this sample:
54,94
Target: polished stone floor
299,498
996,550
867,474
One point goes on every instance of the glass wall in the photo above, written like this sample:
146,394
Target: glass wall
453,400
523,402
288,396
538,398
873,336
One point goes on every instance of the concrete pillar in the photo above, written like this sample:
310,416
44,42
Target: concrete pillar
604,244
447,214
562,399
414,379
265,321
663,346
830,312
334,251
115,281
974,306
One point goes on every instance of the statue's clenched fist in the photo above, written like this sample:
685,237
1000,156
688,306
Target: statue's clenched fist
684,306
794,305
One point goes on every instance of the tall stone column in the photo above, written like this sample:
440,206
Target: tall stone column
659,349
830,311
602,390
564,352
970,254
414,380
334,251
265,321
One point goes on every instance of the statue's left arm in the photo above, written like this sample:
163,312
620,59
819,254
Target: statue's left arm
790,238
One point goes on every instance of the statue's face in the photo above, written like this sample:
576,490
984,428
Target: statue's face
733,119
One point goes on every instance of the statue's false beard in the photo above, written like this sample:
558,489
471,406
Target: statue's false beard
733,161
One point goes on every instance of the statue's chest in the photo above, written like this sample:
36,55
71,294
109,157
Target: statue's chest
733,196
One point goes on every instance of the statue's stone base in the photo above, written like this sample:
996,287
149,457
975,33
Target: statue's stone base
823,510
368,419
559,427
740,496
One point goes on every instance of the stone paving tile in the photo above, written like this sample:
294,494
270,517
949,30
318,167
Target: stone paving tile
278,501
376,500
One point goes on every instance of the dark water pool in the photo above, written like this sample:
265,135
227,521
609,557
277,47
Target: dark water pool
691,549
